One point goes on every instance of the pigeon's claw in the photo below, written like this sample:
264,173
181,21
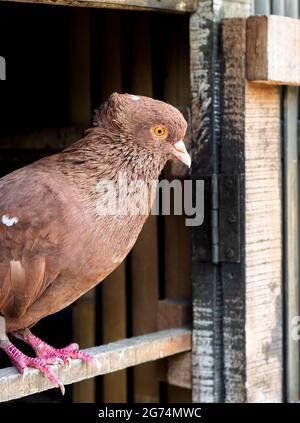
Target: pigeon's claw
53,355
22,362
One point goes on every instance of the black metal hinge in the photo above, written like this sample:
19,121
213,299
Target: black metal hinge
225,218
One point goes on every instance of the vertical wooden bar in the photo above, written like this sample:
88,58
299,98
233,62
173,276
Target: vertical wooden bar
206,113
114,317
80,114
177,236
252,288
262,7
291,227
291,8
144,258
277,7
291,211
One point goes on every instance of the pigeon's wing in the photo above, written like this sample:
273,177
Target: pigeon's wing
29,216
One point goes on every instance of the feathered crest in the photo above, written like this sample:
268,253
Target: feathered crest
112,111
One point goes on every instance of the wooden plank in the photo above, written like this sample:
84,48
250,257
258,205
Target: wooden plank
42,139
110,358
114,319
173,313
292,9
264,319
177,242
180,370
171,6
177,236
273,50
262,7
205,71
278,7
114,328
252,293
80,114
291,173
144,257
291,229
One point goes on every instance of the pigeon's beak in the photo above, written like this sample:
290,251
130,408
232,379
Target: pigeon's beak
180,152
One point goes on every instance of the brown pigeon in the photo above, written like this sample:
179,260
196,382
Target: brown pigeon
68,220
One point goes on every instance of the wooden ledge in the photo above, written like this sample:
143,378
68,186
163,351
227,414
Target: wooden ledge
273,50
111,357
170,6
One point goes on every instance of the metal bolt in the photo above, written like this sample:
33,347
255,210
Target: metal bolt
229,253
232,218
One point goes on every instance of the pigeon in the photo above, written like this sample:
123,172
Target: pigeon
68,220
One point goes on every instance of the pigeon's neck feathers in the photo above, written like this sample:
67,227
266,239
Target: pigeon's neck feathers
103,154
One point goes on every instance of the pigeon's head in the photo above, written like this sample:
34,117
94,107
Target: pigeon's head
153,124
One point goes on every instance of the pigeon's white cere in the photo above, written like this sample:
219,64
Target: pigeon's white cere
135,97
9,221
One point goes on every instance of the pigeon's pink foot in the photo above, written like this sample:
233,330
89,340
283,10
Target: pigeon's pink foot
22,362
51,355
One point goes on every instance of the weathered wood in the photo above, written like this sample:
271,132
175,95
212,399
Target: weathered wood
80,114
144,256
171,6
273,50
114,309
109,358
177,236
205,75
252,289
84,333
180,370
177,242
291,226
114,328
172,313
263,246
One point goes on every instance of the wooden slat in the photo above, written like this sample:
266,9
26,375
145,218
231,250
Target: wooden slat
180,370
144,257
177,235
80,114
42,139
114,328
252,289
177,254
292,8
273,50
278,7
173,313
291,214
262,7
206,115
114,319
110,358
172,6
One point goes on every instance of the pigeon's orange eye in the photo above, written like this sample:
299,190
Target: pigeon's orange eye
159,131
